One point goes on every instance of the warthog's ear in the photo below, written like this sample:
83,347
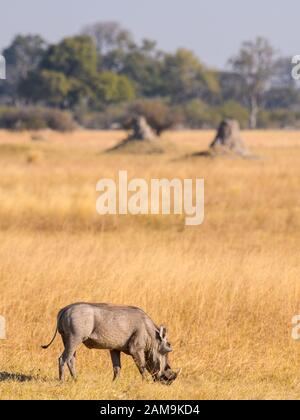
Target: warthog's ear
162,336
163,332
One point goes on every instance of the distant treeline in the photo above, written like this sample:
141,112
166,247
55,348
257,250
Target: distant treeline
103,77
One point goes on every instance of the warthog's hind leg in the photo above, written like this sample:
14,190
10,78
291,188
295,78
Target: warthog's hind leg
68,357
116,361
72,366
61,368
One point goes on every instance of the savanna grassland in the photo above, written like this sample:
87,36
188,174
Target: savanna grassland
227,290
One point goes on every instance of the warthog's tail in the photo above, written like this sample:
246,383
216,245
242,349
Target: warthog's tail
46,347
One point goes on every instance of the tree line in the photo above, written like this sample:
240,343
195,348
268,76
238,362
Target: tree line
104,76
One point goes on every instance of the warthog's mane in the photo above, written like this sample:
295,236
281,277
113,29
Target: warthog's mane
155,361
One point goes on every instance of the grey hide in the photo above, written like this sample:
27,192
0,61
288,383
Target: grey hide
119,329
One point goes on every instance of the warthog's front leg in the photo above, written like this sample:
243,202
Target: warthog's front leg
116,361
139,359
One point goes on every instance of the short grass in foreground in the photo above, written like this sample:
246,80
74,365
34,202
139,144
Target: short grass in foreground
227,290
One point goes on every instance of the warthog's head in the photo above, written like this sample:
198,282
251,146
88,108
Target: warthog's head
157,359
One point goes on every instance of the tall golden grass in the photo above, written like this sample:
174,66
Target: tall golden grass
227,290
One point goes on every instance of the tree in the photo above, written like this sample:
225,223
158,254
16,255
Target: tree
231,86
113,88
282,77
284,97
67,77
22,56
283,92
46,87
144,65
254,63
108,36
75,57
185,78
71,67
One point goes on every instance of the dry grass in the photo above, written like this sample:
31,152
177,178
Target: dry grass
227,290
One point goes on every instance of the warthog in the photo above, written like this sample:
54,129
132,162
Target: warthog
119,329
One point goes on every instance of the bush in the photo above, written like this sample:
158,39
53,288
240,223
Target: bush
36,119
159,115
279,118
197,114
234,110
109,118
59,120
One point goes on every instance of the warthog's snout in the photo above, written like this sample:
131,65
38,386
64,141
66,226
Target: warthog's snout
168,376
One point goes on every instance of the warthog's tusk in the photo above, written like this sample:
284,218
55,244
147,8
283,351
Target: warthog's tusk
178,372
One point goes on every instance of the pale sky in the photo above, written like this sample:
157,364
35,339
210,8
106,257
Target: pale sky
213,29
